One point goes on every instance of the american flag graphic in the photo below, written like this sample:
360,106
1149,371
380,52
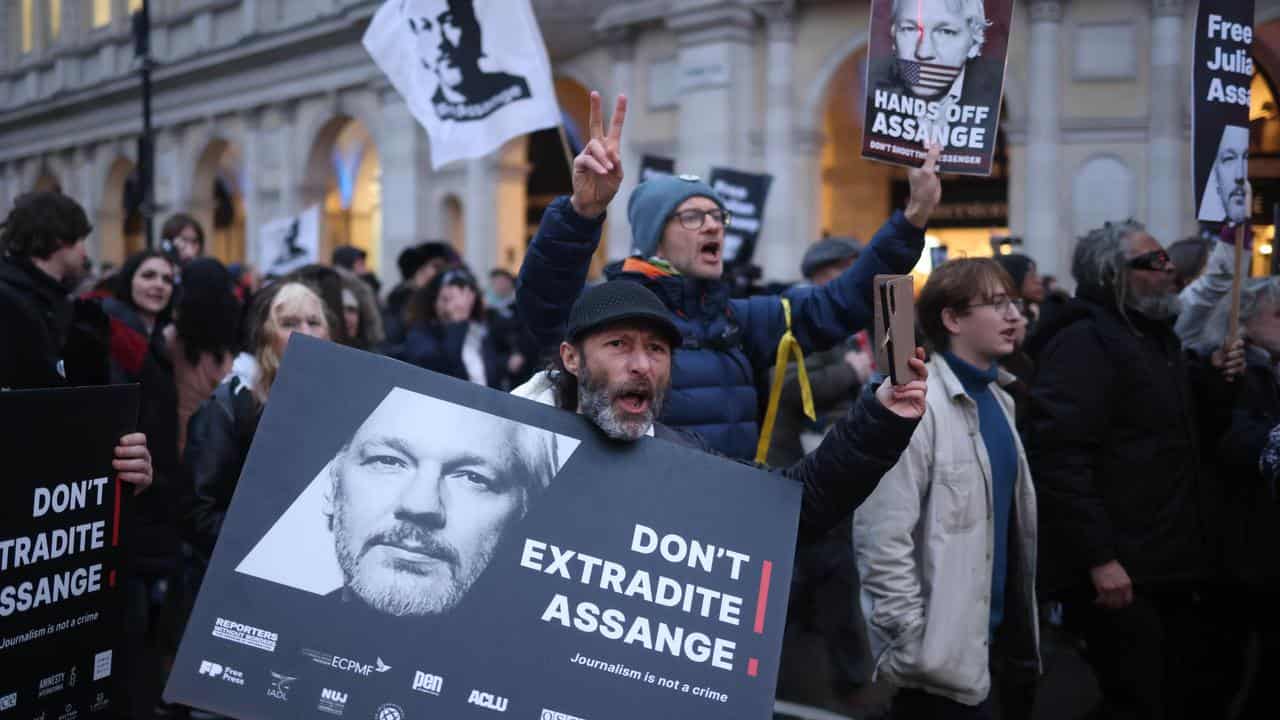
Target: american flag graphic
929,75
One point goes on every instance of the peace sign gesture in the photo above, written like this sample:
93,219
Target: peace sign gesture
597,171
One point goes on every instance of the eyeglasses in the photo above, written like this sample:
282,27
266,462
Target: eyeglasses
1001,305
695,219
1156,260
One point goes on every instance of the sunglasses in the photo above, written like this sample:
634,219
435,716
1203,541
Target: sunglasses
1156,260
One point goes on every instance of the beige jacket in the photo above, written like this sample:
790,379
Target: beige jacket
924,542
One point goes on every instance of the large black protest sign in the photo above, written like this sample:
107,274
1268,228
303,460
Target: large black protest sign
652,166
60,558
936,74
1220,79
402,544
744,195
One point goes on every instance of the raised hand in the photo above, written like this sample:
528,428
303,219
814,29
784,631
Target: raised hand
926,188
909,399
597,171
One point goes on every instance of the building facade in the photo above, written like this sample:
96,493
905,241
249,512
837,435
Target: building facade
266,107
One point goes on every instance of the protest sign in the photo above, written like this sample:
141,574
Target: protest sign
652,166
1223,71
744,195
287,244
936,74
402,544
474,73
60,557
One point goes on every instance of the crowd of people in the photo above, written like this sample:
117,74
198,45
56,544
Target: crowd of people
1097,471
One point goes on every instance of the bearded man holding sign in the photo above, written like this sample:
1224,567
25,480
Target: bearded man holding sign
678,226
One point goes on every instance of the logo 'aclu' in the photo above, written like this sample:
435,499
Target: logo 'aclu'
280,686
9,702
487,700
216,670
347,664
245,634
333,702
427,683
557,715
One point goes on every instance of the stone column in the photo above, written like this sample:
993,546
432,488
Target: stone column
406,166
1166,188
780,250
1045,241
622,51
807,195
495,207
716,67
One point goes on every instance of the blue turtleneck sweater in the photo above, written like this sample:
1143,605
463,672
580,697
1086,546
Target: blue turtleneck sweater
1002,452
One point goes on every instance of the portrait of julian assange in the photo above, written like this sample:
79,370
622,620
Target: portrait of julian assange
449,43
1226,193
412,507
936,53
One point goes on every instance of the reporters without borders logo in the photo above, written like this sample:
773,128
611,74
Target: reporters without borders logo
427,683
247,635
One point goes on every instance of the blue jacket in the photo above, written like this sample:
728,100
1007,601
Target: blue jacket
729,343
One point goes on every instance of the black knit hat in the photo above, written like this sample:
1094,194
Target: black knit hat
619,300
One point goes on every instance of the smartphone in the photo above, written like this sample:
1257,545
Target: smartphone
895,334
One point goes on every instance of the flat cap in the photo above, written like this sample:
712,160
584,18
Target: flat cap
827,251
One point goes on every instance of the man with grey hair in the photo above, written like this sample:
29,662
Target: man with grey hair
1114,447
937,58
421,496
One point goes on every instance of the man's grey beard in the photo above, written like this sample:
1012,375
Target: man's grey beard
596,404
1157,307
399,592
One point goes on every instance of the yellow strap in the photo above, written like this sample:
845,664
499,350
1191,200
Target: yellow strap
788,347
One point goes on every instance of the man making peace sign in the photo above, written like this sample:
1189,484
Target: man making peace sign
678,226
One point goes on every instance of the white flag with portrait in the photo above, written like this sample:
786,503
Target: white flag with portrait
474,73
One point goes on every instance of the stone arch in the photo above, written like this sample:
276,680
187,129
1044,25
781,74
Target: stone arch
217,199
453,220
1091,208
342,175
118,223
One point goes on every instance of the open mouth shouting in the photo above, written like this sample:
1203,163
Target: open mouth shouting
634,400
709,251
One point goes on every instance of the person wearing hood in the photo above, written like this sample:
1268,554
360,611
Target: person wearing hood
614,368
1115,450
678,226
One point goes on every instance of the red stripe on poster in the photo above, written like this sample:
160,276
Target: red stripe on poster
762,600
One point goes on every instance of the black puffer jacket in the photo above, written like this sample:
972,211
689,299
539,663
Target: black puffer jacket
860,448
1114,448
